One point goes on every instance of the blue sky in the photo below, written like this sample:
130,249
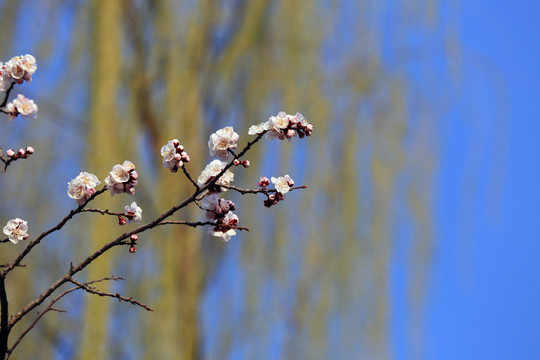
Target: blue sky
484,293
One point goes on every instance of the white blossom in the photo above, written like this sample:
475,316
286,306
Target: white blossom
82,187
122,178
225,236
16,230
20,68
210,202
211,170
23,106
257,129
283,183
133,213
221,141
279,122
168,152
225,229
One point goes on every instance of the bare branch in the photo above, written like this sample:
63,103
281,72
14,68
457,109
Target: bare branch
50,308
200,223
6,96
259,191
189,176
95,291
5,327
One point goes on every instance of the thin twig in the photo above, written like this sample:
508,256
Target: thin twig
6,265
5,326
259,191
50,308
200,223
95,291
103,212
189,176
6,96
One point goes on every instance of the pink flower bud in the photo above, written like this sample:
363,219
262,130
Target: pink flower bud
280,196
132,249
29,150
179,148
26,237
27,76
134,175
21,152
177,157
121,221
10,153
134,237
246,163
186,158
290,133
236,162
130,191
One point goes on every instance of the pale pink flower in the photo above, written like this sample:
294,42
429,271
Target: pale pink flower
211,170
221,141
133,213
82,187
16,230
22,105
283,183
122,178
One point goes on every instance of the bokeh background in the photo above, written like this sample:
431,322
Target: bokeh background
415,240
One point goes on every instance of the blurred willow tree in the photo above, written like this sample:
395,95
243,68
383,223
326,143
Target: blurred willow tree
312,278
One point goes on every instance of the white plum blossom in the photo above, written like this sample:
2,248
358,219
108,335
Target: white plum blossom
283,183
283,126
16,230
258,129
221,141
210,202
226,227
133,213
211,170
20,68
174,155
279,122
122,178
82,187
21,105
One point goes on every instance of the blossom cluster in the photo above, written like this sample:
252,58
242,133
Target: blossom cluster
211,171
283,126
221,211
18,69
83,187
21,105
122,179
21,153
16,230
174,155
282,184
221,141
